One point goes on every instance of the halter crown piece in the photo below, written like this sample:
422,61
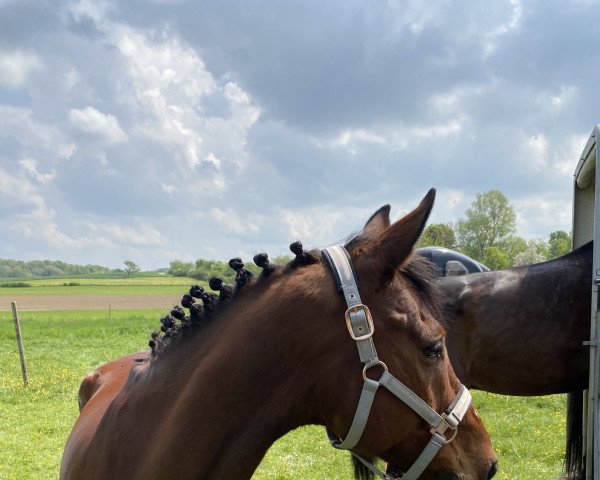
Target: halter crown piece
361,329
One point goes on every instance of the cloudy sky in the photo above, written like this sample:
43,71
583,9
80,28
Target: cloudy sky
161,130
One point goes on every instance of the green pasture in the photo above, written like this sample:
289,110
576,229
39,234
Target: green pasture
61,347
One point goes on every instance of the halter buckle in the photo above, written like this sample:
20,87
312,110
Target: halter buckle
368,328
443,426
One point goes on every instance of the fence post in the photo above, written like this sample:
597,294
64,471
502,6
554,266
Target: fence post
13,305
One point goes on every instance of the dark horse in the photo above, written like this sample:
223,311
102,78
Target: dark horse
522,332
273,353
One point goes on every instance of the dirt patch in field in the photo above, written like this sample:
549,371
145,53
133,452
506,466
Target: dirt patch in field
89,302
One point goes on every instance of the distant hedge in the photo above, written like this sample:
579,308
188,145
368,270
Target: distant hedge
15,285
46,268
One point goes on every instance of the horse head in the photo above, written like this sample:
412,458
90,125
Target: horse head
405,308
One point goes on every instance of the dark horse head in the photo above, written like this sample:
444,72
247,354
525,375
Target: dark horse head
274,353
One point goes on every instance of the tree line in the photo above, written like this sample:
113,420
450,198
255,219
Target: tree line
488,233
206,269
47,268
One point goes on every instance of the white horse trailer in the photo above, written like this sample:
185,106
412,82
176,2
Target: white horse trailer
586,227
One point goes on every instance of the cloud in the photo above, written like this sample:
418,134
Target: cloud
350,139
15,66
492,37
90,120
168,81
30,166
231,222
139,235
89,9
26,212
35,137
324,225
147,129
535,151
394,138
545,213
18,195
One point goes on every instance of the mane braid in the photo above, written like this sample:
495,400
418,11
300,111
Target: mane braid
178,327
303,258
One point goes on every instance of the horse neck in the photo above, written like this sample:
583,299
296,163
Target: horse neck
226,397
512,320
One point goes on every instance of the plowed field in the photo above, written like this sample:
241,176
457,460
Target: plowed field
89,302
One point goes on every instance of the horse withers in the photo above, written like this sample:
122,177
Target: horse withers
274,353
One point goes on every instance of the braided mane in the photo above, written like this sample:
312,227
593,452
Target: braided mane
178,325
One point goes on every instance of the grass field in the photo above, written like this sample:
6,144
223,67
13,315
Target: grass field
62,346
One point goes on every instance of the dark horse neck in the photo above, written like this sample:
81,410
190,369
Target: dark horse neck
218,402
521,331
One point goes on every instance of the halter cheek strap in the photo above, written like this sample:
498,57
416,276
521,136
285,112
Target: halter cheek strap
361,328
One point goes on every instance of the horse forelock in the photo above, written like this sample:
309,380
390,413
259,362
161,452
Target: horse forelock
422,273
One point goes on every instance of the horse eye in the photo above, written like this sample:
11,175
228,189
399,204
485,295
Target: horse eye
434,350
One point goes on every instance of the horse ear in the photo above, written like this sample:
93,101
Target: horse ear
394,245
378,222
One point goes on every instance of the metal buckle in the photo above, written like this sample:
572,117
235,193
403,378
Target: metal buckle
442,427
378,364
358,308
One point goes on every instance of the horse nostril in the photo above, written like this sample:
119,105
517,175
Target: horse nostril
493,469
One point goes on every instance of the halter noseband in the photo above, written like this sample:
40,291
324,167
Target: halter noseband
361,328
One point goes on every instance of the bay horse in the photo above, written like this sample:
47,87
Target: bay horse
221,384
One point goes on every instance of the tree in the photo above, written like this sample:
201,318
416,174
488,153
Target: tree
559,243
496,259
130,267
178,268
489,221
50,270
280,260
206,269
438,235
512,246
529,256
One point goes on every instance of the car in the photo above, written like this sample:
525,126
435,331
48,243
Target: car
450,262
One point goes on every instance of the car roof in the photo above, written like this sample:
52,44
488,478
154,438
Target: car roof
441,255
